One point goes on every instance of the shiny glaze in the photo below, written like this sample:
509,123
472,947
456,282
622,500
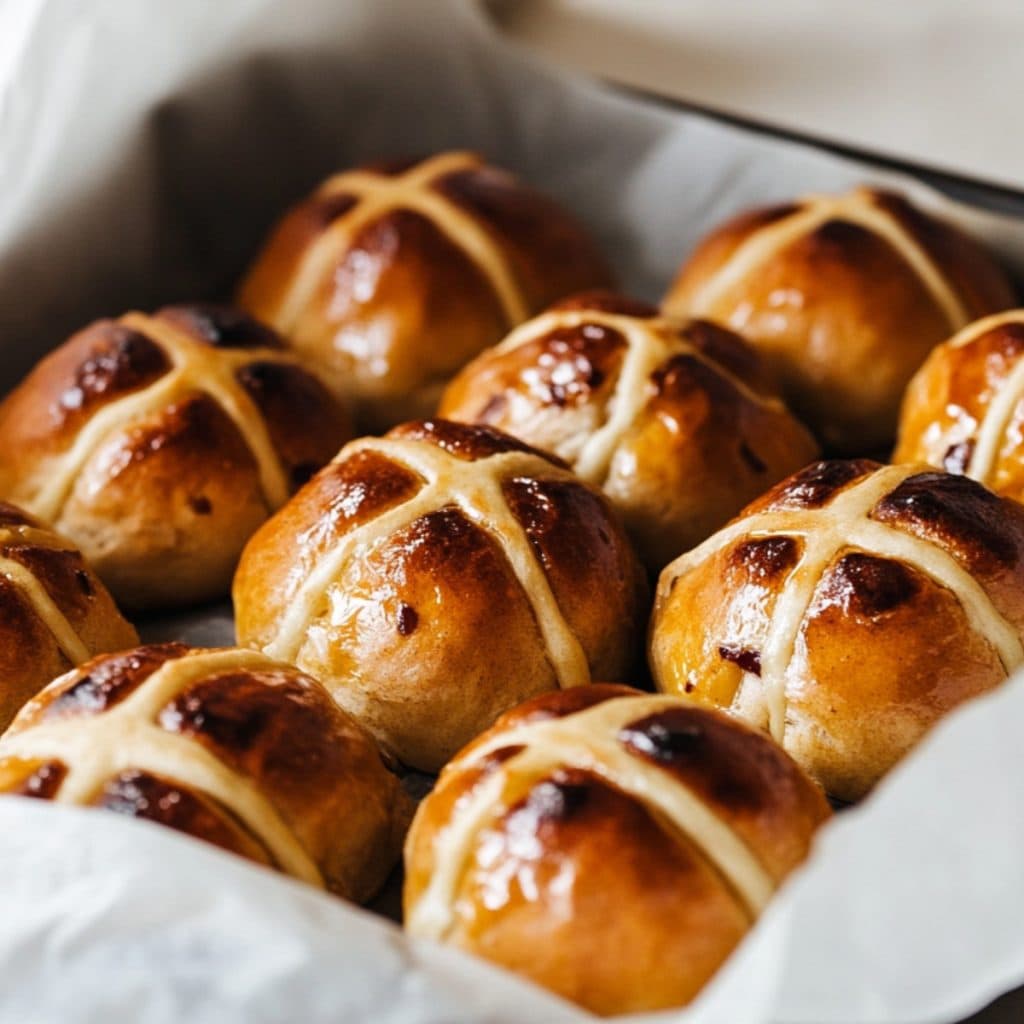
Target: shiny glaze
452,522
54,612
226,746
570,862
160,442
821,288
141,795
422,265
963,411
804,586
674,419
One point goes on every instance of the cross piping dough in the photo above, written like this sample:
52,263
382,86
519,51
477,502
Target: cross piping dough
474,487
46,609
650,343
997,417
585,740
196,368
379,194
842,524
767,242
96,748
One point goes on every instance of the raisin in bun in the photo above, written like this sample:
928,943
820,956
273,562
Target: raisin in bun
964,409
847,611
610,845
54,611
437,576
392,276
224,745
845,296
671,418
159,443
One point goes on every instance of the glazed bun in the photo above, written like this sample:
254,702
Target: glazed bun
392,276
673,419
159,443
438,576
964,409
846,612
224,745
612,846
54,612
845,296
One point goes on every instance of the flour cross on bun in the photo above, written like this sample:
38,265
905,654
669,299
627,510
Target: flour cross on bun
436,577
14,534
674,419
590,740
54,611
390,277
842,521
159,442
95,748
593,832
195,367
844,296
474,486
378,194
810,214
961,407
223,744
651,342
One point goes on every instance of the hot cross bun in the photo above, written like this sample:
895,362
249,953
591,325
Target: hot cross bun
392,276
611,845
846,611
159,443
964,409
54,611
437,576
224,745
673,419
845,296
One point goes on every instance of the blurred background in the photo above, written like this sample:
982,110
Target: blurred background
937,82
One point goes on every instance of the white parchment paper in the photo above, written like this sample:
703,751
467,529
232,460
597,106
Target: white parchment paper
145,149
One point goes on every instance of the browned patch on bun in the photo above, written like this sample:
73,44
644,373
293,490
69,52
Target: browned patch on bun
466,441
868,586
107,680
959,513
816,485
115,360
221,325
138,794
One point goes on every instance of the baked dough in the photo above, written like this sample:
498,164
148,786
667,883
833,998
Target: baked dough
964,409
437,576
54,611
595,832
223,744
846,611
158,443
673,419
392,276
845,296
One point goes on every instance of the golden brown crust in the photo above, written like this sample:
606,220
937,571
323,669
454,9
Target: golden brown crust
580,885
31,653
957,397
704,435
163,498
843,318
403,303
269,725
892,637
428,631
